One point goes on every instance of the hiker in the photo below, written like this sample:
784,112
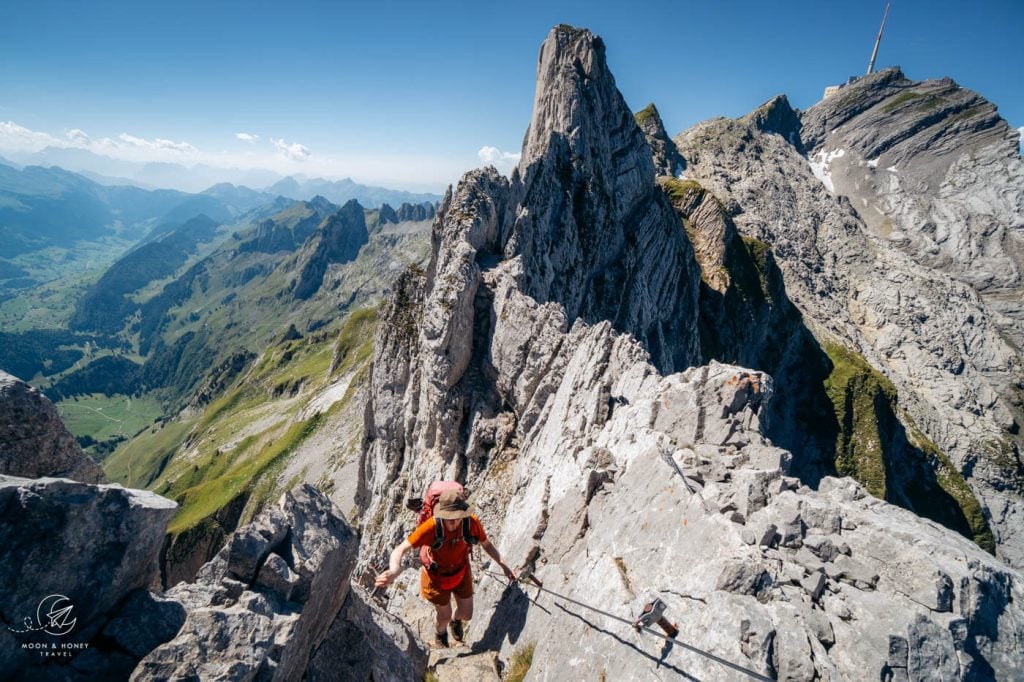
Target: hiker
446,536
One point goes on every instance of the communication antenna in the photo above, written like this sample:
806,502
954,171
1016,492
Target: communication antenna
874,52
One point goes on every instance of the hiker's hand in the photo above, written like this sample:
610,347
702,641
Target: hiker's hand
385,578
509,573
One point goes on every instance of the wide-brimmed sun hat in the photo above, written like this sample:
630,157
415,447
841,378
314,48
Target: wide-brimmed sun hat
452,505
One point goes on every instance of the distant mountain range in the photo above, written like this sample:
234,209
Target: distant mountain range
55,222
105,170
42,208
340,191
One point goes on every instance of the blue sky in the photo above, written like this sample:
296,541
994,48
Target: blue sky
408,93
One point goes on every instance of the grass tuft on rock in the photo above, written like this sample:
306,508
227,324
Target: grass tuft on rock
902,98
520,664
894,462
677,189
645,114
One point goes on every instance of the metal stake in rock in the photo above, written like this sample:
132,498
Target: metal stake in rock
654,612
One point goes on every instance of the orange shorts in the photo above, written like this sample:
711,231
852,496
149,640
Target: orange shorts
435,595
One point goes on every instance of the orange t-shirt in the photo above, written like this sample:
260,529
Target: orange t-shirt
454,551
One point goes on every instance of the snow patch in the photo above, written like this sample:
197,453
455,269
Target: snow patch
892,169
820,166
874,162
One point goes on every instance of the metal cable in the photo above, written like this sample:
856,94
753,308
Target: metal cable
721,661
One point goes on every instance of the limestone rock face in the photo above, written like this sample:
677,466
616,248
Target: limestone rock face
95,545
387,214
589,227
581,232
33,440
406,212
507,366
365,642
935,173
415,212
266,601
931,333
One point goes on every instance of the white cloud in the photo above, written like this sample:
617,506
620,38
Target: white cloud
20,140
247,137
16,138
157,144
293,151
77,137
494,156
400,170
503,161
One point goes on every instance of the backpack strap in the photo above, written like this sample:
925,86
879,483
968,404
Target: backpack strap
438,535
467,535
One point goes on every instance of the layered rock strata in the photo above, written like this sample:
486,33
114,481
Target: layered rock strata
954,373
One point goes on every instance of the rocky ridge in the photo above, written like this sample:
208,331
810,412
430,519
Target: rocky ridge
932,335
667,160
934,172
340,237
611,480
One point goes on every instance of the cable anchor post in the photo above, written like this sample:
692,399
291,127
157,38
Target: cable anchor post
654,614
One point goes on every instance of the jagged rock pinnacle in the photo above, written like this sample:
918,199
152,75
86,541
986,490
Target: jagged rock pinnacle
667,160
593,231
777,116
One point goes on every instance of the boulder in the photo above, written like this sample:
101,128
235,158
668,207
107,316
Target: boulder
34,441
90,548
266,601
482,667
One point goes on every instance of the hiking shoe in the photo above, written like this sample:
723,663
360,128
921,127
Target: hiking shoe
457,630
440,640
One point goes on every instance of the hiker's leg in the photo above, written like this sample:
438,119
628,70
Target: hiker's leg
463,608
441,600
463,594
442,616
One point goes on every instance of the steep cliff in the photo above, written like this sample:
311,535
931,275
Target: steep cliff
338,240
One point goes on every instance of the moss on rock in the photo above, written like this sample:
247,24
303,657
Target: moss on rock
855,389
646,114
677,189
894,462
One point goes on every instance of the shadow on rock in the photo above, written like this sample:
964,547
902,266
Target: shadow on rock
508,620
659,661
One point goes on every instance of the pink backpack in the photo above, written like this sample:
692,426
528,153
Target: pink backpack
433,494
425,507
